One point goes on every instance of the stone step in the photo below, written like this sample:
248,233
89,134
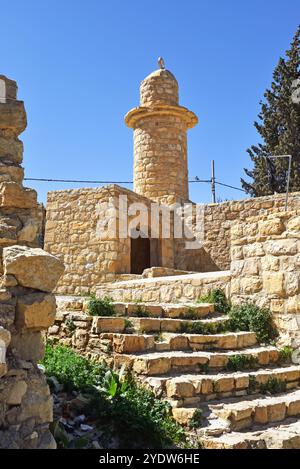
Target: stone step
130,343
183,288
284,436
264,410
159,363
193,389
143,310
145,325
170,310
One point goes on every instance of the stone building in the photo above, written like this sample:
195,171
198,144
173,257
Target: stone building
160,127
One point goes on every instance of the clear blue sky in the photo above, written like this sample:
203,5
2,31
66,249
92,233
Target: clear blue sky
79,63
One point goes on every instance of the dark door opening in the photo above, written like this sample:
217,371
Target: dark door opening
140,255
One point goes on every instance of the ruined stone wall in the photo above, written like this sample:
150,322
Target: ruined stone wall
218,219
27,277
265,267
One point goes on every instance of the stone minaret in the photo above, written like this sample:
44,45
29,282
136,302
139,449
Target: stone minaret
160,139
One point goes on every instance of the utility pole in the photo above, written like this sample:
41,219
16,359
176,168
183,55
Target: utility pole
213,182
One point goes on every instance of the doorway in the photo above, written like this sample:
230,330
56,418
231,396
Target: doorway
140,255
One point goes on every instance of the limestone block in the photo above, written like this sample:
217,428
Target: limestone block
237,253
273,283
293,224
282,247
293,407
205,387
108,324
242,381
179,342
292,283
261,415
276,412
178,387
29,231
8,231
11,173
183,415
146,324
12,195
35,311
11,150
80,338
224,384
32,267
277,305
16,393
13,117
251,267
28,346
254,250
273,226
292,304
250,284
132,343
270,263
155,366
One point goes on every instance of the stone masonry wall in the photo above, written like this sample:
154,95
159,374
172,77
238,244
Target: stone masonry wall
218,219
27,277
265,268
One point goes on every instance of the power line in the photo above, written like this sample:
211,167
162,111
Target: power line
84,181
231,187
78,181
95,182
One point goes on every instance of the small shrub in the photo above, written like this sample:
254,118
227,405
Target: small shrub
249,317
252,384
128,325
141,312
119,406
159,337
196,420
273,386
218,298
285,355
241,362
101,306
69,323
203,368
71,370
190,314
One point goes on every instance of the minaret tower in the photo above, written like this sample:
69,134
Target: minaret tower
160,139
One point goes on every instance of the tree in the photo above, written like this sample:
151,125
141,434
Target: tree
279,127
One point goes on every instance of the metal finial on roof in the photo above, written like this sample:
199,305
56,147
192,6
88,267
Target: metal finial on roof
161,63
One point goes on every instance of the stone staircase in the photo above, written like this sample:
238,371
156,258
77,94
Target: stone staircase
183,352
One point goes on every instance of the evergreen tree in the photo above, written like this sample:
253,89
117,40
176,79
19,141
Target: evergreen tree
279,127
